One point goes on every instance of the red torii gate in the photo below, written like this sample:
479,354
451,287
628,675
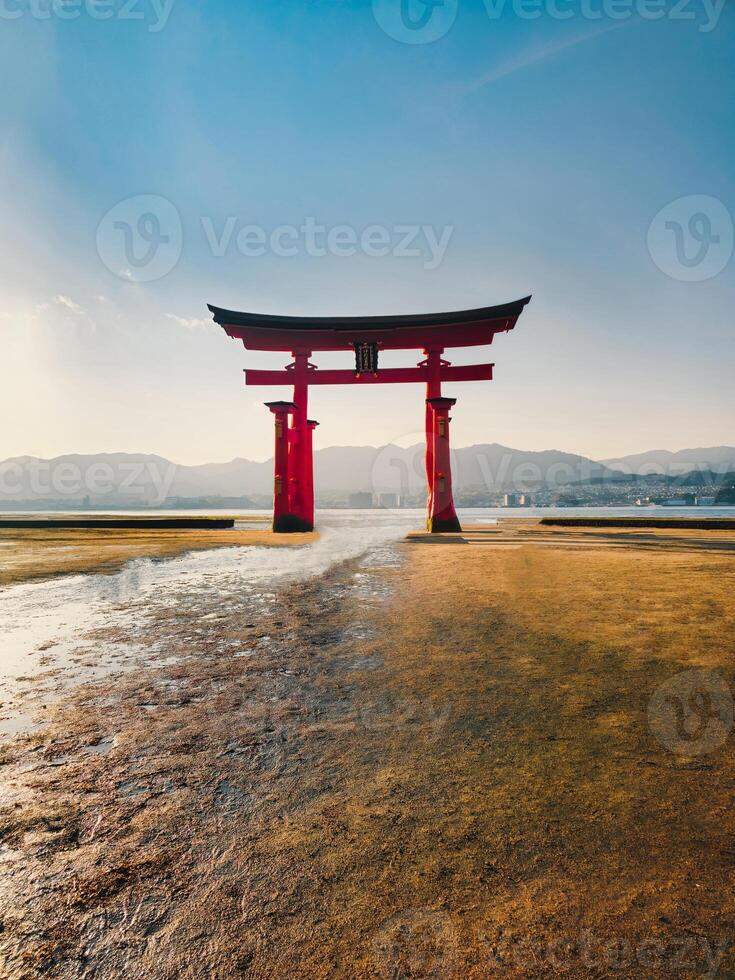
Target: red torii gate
293,496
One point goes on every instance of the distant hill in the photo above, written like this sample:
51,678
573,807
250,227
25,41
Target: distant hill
127,479
720,459
132,480
692,478
489,467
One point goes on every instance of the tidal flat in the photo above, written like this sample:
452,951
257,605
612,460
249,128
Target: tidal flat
30,554
442,757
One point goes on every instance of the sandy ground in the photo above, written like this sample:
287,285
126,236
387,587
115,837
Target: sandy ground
509,754
31,554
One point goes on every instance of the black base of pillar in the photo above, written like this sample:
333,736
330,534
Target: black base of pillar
290,524
443,525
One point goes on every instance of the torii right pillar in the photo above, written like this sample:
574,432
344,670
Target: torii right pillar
442,516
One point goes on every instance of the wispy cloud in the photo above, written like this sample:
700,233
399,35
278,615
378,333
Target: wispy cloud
190,324
69,304
533,55
71,314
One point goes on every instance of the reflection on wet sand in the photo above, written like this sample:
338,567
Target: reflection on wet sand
53,630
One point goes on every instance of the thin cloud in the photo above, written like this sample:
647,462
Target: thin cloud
71,314
69,304
532,56
190,324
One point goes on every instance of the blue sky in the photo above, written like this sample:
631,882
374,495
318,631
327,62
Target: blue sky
543,149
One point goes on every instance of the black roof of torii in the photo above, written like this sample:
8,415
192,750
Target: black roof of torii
460,328
278,322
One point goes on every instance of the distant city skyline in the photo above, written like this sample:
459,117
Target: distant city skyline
358,158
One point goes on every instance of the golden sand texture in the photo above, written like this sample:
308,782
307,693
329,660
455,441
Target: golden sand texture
455,768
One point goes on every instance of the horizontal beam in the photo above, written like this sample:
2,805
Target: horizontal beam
458,372
467,372
416,338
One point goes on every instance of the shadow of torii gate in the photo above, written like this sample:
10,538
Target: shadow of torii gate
432,333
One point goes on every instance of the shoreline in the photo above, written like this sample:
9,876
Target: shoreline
38,554
43,553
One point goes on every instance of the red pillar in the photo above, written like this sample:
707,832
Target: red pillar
433,390
310,426
442,515
299,451
283,519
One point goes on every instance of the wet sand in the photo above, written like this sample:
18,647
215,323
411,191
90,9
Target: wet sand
454,760
32,554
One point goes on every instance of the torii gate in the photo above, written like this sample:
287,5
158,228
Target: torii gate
293,494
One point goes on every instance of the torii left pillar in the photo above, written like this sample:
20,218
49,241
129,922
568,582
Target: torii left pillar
283,519
442,515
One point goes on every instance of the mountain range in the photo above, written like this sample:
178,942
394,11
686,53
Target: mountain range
138,479
719,459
